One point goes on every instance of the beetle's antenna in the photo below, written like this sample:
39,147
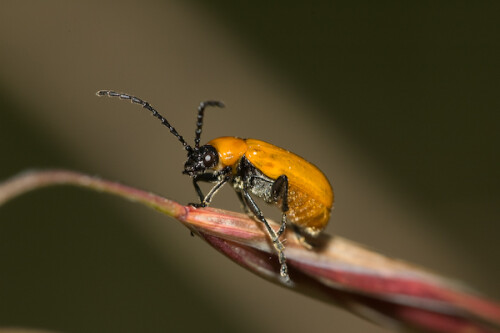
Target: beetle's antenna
147,106
199,123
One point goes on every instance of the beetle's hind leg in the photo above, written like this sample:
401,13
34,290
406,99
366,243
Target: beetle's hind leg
279,190
252,206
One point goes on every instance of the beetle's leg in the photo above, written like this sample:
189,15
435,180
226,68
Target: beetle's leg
211,193
198,189
282,228
244,204
280,190
210,177
276,242
206,177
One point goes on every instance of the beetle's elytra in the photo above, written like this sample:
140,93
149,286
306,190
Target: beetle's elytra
253,167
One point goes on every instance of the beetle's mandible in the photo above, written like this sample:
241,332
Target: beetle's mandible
253,167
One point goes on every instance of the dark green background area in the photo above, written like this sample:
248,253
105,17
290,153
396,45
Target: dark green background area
413,87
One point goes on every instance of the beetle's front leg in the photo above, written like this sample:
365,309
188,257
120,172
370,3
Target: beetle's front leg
224,179
221,177
206,177
198,190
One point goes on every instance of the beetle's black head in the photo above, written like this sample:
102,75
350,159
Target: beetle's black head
200,160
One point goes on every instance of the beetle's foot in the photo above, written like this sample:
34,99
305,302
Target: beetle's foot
282,260
284,273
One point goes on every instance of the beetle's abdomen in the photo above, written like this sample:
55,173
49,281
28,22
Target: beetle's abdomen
306,212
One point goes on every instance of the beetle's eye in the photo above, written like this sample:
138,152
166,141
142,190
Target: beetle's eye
209,159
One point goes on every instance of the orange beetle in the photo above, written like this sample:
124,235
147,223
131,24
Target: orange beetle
301,191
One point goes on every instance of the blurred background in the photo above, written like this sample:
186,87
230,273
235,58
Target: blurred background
397,103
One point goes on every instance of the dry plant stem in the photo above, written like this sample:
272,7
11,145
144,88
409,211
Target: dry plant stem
383,290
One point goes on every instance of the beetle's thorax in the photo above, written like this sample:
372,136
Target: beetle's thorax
230,150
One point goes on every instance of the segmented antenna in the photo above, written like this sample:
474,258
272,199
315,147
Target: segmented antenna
199,123
147,106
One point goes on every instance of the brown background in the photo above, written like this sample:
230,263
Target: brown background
397,104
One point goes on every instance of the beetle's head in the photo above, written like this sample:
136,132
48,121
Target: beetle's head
200,160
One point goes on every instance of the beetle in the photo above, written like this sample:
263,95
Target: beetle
253,167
